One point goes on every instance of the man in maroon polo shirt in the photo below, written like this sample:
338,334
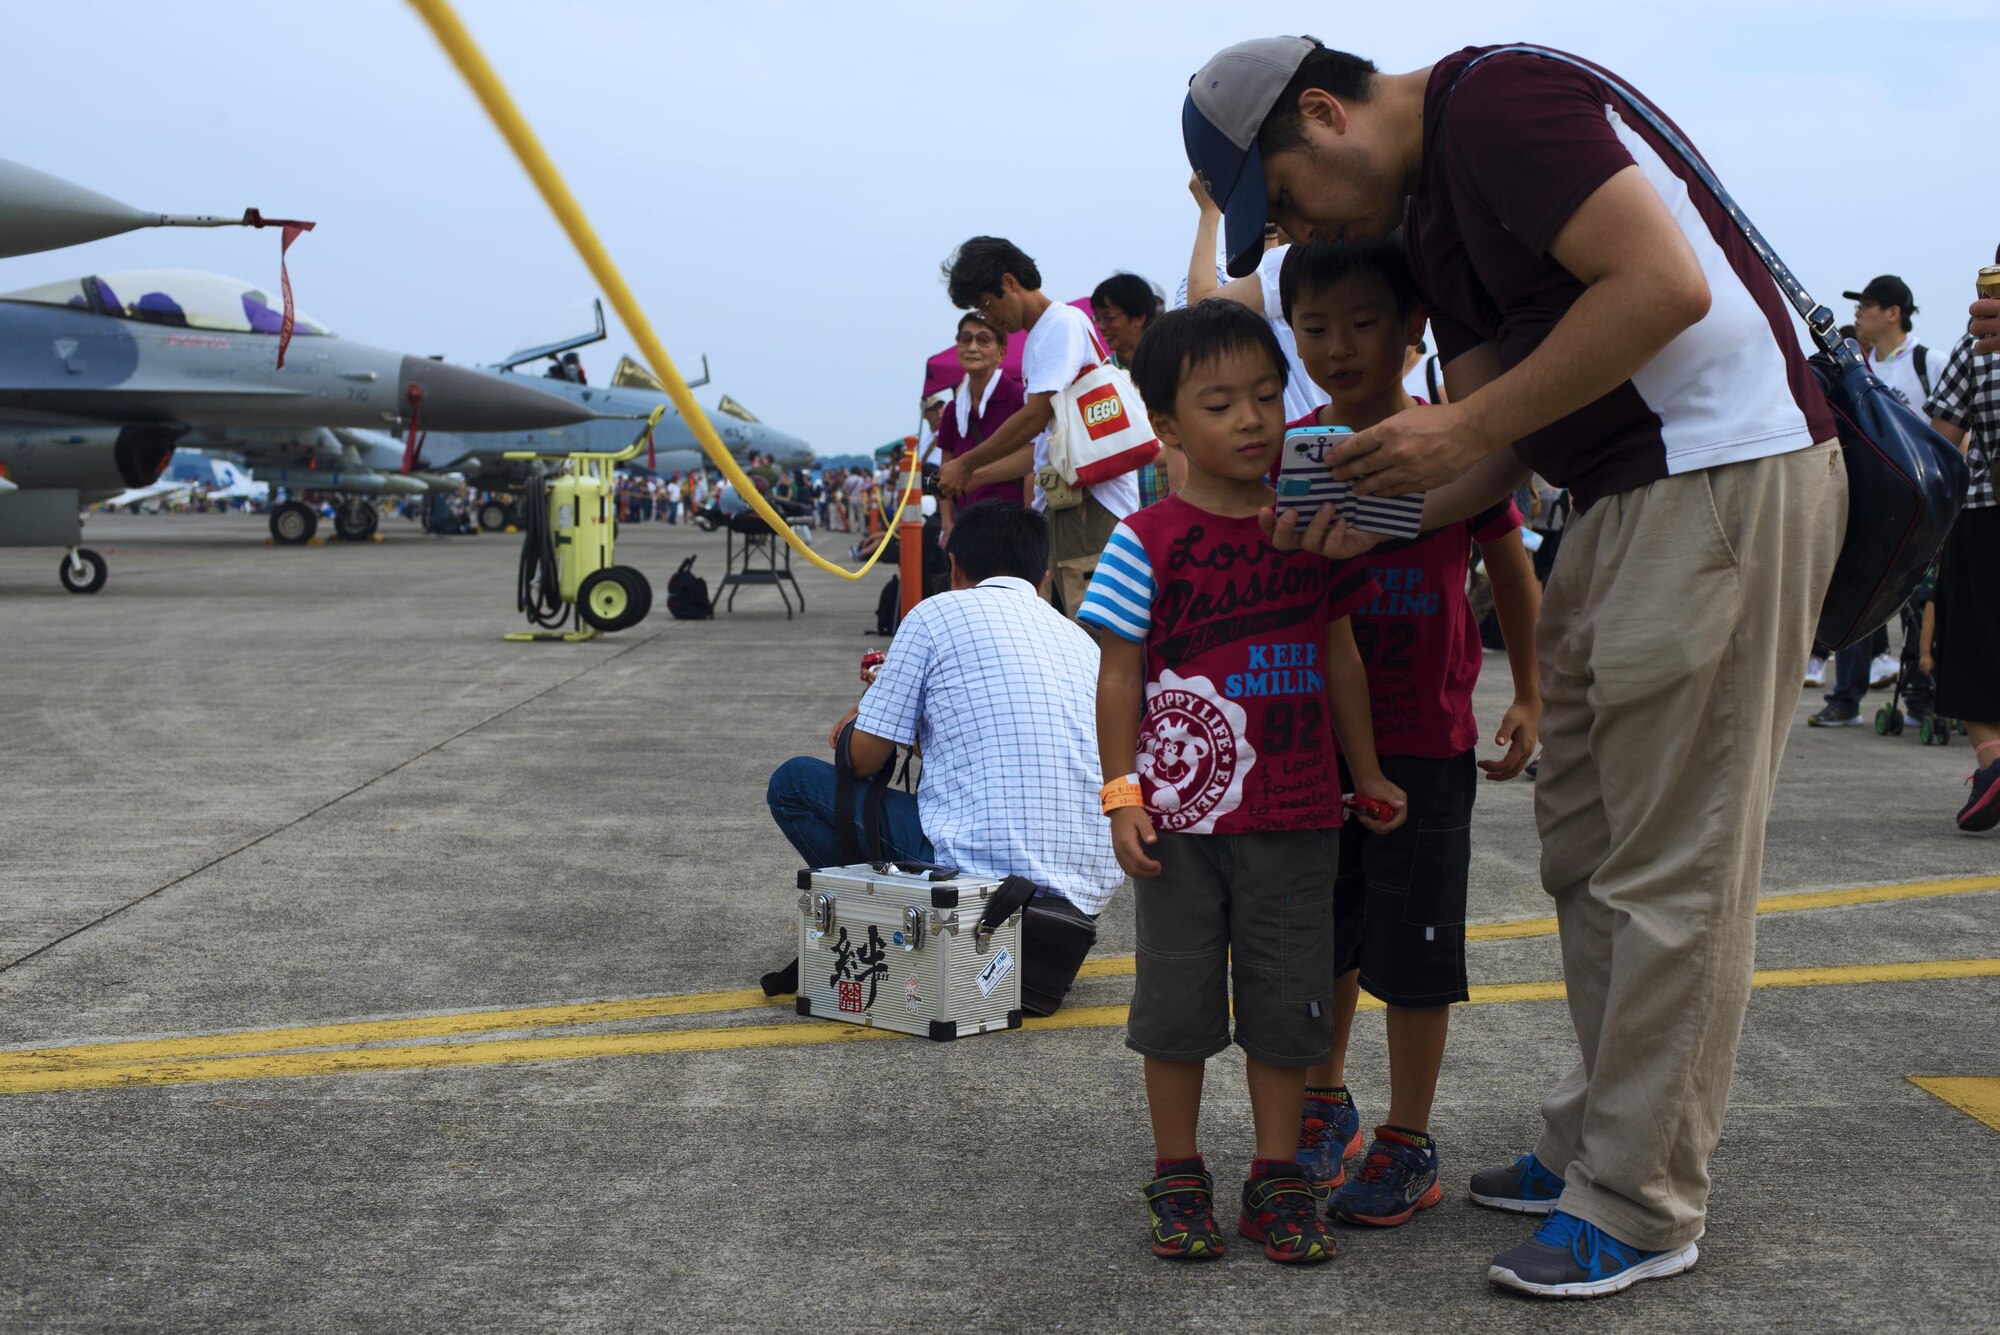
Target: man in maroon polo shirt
1602,323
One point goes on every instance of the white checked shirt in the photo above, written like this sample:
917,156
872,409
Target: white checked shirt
1967,395
1000,691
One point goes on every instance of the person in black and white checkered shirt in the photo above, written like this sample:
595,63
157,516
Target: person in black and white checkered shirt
1965,407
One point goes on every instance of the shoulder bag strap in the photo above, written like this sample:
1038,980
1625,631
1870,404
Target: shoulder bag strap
869,847
1819,319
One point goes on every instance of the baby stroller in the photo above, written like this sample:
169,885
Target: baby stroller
1914,695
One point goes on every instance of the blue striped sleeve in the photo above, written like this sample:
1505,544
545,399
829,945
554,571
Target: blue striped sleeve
1120,597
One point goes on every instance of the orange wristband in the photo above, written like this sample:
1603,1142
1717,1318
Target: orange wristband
1120,793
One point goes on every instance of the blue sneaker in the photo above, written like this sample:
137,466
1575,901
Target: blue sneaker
1329,1135
1396,1179
1523,1187
1570,1258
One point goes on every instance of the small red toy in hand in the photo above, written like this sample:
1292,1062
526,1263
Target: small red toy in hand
1373,808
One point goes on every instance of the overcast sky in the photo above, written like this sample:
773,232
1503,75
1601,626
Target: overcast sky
779,181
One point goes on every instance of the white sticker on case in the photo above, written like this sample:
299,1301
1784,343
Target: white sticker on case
996,969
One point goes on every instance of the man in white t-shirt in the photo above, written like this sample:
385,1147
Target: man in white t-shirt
994,277
1882,312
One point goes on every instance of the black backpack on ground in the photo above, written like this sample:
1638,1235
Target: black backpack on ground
889,607
687,595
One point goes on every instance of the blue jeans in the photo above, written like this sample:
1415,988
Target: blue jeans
801,801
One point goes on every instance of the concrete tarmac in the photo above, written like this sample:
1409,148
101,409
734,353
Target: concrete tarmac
250,788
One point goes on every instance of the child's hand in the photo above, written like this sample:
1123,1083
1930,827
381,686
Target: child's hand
1382,790
1131,835
1520,729
1327,534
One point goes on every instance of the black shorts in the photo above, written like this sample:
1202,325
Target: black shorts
1399,901
1968,618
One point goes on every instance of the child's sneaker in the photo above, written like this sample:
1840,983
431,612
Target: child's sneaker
1572,1258
1523,1187
1281,1210
1329,1135
1184,1214
1398,1178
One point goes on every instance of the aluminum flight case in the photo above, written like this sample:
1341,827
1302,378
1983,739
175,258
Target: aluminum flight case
902,946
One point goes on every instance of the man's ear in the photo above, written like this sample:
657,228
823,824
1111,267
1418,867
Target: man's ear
1009,284
1319,107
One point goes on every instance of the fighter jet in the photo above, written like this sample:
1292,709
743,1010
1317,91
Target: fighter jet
632,395
100,377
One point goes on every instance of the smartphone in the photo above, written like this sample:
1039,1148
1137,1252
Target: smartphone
1306,482
1305,470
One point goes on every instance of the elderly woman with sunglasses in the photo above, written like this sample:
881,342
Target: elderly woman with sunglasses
985,398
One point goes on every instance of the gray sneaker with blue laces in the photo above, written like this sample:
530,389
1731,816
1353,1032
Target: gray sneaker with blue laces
1523,1187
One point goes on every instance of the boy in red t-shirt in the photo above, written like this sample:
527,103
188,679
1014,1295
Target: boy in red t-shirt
1400,901
1228,666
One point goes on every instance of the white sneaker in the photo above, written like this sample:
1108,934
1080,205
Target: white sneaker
1882,670
1816,671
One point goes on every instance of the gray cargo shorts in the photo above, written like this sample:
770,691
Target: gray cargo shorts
1260,903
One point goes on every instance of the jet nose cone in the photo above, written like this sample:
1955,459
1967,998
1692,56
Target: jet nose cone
456,398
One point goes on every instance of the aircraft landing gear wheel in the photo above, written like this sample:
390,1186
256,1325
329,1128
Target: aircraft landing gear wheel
83,571
294,523
356,522
611,599
493,516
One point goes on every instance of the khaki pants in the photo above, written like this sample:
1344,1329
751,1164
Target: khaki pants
1076,539
1673,636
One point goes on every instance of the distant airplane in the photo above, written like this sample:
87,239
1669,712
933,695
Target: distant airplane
195,473
100,377
631,395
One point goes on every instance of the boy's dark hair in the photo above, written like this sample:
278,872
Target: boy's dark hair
1129,293
1349,78
974,317
1179,341
1318,265
1000,538
977,267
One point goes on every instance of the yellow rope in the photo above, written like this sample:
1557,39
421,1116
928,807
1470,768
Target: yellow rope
506,117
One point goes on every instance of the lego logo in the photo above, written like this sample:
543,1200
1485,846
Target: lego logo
1103,412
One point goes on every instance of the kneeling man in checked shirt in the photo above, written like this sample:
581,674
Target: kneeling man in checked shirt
999,692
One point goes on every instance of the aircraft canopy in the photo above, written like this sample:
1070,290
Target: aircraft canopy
184,298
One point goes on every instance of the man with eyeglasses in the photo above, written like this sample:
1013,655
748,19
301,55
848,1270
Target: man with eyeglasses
996,279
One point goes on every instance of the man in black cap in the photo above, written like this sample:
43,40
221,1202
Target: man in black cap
1603,322
1882,312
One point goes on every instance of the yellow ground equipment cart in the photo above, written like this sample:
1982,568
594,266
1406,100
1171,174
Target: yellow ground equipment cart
570,526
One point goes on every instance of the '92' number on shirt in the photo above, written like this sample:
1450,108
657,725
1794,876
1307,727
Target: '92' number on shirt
1394,639
1292,727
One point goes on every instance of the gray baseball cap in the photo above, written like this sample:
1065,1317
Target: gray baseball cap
1227,102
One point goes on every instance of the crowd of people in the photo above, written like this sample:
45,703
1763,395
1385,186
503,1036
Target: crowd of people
1263,717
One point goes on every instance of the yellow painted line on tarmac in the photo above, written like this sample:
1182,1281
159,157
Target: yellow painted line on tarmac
460,1023
501,1051
450,1025
1517,929
1974,1095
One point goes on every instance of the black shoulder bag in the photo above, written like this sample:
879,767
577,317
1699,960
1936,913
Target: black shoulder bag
1905,482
